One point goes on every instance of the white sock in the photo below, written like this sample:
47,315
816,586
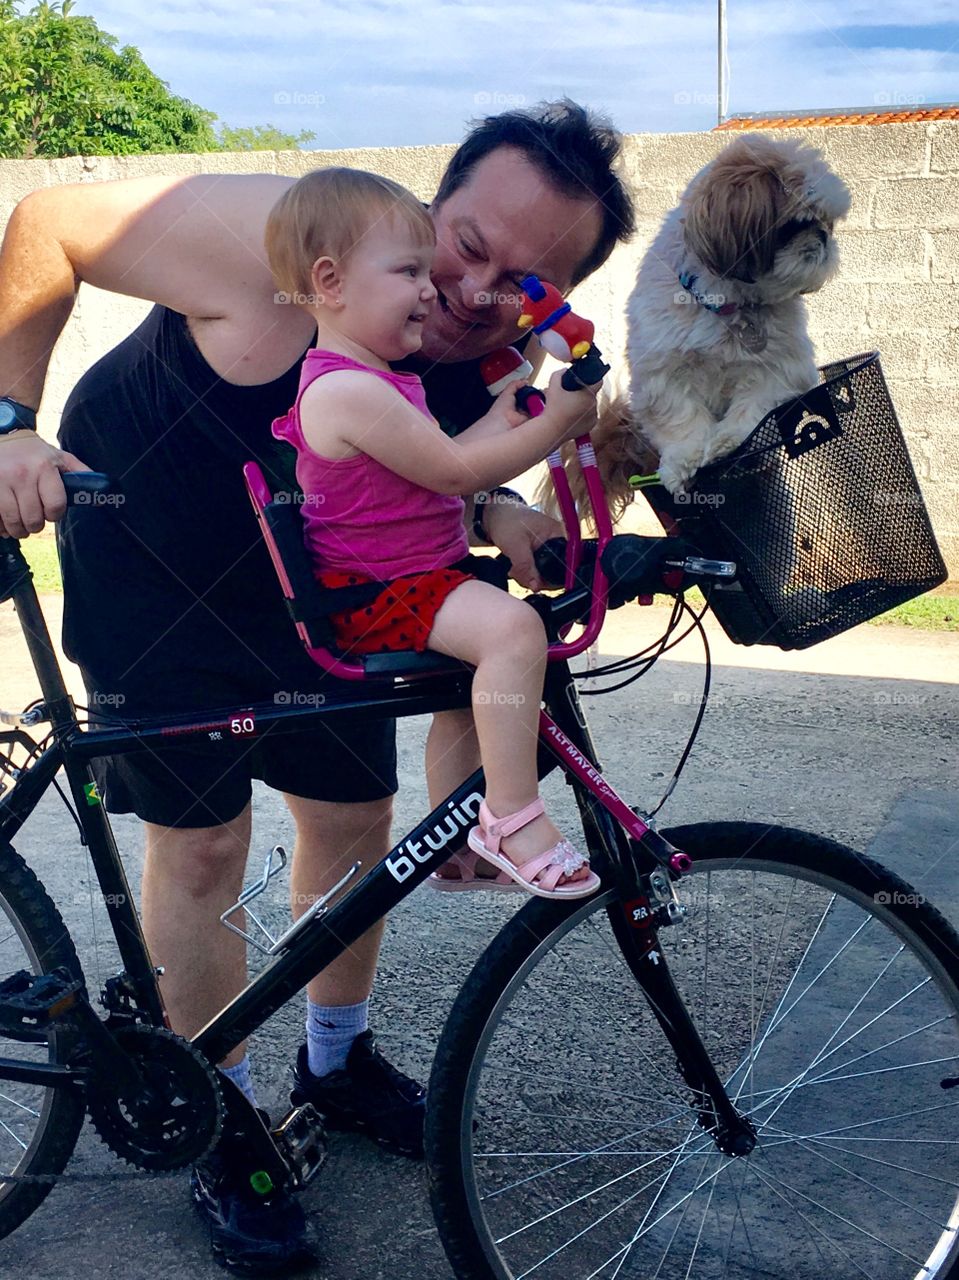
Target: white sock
240,1075
330,1032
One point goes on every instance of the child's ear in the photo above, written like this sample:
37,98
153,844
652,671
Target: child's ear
327,281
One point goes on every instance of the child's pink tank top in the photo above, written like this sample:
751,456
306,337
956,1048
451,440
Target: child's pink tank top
358,515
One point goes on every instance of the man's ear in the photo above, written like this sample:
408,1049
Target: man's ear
327,281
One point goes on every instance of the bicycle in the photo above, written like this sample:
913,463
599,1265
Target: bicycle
769,1020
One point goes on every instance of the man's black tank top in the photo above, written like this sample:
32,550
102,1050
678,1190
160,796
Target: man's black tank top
177,572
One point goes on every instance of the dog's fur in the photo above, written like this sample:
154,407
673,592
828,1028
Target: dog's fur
755,229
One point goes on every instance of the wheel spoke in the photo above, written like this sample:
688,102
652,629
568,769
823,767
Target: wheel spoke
830,1025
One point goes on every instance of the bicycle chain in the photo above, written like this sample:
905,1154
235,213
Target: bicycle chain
51,1179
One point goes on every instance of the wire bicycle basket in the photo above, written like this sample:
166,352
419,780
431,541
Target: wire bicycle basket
821,510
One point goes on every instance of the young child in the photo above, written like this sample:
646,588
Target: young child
382,484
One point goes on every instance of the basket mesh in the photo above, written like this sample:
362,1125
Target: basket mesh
820,510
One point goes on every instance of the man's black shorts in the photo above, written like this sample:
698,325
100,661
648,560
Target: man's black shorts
196,782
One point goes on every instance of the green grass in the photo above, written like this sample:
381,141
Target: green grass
936,611
40,551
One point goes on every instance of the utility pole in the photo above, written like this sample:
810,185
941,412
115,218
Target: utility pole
722,90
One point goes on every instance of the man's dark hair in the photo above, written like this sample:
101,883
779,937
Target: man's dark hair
573,148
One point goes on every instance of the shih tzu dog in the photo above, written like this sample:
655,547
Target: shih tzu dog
717,332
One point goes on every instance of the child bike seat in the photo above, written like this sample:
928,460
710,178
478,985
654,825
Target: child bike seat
310,605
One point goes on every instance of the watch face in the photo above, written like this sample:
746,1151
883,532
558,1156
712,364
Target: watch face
8,415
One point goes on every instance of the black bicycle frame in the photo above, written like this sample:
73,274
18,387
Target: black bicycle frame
409,862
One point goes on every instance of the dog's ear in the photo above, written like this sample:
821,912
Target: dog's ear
731,213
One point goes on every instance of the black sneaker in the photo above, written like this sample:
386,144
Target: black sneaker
368,1095
253,1232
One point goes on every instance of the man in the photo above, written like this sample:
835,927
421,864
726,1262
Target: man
165,595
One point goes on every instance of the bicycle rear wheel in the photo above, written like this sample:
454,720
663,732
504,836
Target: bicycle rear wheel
562,1141
38,1126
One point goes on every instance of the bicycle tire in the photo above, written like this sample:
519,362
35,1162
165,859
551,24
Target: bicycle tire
33,936
509,1084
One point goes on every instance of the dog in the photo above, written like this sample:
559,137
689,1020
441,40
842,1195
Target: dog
717,333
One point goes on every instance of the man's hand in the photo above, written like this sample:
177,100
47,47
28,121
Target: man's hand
517,531
31,491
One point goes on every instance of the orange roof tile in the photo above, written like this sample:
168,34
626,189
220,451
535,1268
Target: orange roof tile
844,115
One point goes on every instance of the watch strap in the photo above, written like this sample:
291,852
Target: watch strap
24,418
480,503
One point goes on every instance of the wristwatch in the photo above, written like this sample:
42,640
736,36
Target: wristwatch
15,416
479,508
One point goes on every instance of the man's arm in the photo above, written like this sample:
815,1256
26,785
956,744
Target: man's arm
194,244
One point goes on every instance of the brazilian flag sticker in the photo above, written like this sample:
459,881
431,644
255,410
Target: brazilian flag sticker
91,793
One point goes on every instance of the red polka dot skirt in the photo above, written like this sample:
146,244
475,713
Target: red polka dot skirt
400,617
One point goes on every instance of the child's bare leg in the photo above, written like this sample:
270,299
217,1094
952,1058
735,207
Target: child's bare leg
452,754
504,639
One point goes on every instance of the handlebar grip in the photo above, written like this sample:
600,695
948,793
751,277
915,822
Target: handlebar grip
550,561
636,563
530,400
586,371
80,486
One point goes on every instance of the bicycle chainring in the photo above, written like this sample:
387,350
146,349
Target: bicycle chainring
179,1123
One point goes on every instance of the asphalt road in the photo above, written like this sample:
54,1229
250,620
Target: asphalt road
855,739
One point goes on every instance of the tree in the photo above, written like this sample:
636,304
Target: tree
66,89
261,137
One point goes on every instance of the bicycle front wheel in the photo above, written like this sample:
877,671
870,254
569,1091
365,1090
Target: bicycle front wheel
564,1144
38,1126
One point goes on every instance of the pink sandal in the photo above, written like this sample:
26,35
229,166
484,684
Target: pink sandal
468,879
541,874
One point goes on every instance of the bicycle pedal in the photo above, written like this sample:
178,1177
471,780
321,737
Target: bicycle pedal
301,1140
32,1000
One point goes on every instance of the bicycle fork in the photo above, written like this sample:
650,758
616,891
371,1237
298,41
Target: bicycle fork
651,864
635,922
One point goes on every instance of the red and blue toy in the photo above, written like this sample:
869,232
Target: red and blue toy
559,329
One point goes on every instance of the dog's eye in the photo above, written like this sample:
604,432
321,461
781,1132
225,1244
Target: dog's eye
789,230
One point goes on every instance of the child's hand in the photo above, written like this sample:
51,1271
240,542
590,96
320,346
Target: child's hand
504,415
573,412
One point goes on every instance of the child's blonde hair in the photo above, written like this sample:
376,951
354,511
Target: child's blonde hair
327,213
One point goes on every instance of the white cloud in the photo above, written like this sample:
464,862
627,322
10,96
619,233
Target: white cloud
400,72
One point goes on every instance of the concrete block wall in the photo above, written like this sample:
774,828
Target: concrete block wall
896,291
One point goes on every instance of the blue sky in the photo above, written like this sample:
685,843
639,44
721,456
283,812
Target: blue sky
402,72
